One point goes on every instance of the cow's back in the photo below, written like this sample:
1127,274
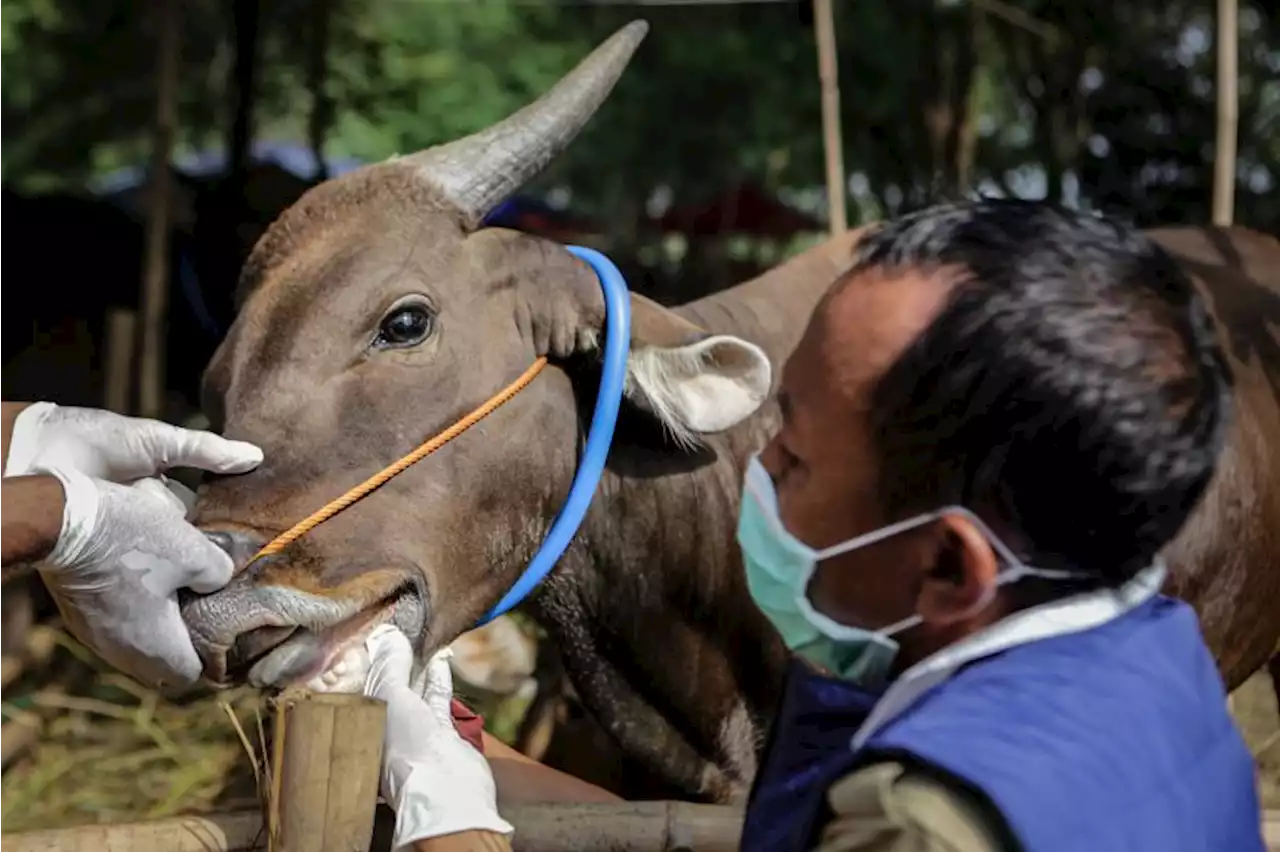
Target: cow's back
1226,561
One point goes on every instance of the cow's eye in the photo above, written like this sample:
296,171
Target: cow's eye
407,325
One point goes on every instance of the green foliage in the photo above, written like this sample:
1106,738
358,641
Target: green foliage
936,97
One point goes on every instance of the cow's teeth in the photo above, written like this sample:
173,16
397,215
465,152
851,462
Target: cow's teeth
346,673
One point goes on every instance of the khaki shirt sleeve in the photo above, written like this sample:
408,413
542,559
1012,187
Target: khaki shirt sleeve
886,807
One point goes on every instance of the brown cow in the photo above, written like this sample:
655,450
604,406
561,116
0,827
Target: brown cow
377,312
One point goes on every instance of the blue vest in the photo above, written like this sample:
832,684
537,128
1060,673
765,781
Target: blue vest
1113,739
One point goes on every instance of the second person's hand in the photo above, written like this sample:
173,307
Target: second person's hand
122,554
110,446
125,547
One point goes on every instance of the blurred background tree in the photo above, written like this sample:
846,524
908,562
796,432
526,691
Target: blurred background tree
1102,103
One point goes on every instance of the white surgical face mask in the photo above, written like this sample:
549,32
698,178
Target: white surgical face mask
779,567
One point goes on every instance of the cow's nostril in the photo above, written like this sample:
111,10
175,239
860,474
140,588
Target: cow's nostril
222,539
239,546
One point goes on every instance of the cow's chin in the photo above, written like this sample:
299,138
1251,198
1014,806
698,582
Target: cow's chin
330,659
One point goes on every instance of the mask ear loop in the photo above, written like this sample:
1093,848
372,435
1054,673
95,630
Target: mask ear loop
1016,569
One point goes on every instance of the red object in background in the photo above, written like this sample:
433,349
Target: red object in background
746,210
469,724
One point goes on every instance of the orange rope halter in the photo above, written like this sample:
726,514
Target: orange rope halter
380,478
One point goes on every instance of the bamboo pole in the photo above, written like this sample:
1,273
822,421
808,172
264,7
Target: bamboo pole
241,831
634,827
326,759
118,371
155,276
630,827
829,78
1228,95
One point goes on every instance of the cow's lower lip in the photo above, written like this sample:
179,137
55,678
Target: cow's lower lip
303,654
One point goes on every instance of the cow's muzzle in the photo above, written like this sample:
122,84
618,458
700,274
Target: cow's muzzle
272,635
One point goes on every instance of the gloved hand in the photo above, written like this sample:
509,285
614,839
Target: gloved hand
123,553
436,782
110,446
125,550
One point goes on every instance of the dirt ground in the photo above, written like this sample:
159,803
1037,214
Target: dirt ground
1254,706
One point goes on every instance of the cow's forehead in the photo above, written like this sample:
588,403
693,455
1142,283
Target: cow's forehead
385,207
330,264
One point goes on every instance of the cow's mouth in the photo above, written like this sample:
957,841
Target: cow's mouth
283,656
274,637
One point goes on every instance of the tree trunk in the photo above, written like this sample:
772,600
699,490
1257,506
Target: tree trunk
155,275
322,106
244,80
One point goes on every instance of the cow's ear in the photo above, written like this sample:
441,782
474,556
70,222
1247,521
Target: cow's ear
694,381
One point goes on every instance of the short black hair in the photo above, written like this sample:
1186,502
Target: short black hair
1071,389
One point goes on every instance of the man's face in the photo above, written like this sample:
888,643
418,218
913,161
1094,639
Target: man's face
823,461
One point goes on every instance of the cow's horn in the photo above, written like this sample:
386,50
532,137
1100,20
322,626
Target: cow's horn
477,172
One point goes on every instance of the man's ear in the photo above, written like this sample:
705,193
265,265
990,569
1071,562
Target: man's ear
963,578
695,382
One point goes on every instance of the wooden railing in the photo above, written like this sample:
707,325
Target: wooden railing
634,827
321,796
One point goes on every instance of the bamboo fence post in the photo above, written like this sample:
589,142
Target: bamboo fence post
119,345
829,79
155,277
325,766
1228,95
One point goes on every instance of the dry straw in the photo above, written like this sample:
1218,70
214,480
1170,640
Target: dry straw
109,750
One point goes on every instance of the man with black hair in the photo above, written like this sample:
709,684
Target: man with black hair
992,426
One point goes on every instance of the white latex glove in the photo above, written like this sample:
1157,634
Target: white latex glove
436,781
110,446
123,552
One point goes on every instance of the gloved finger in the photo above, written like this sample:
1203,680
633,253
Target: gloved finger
156,651
422,674
439,686
157,489
184,494
390,660
171,661
178,447
203,566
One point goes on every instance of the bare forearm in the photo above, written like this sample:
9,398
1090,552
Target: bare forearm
465,841
9,412
522,780
32,510
31,518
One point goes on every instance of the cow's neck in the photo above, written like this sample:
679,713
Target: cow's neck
650,609
651,614
773,309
